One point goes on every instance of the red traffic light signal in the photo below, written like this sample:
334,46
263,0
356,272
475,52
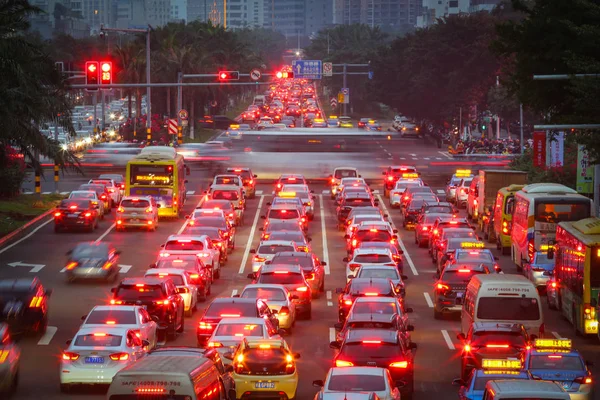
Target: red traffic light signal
106,73
92,74
285,75
228,75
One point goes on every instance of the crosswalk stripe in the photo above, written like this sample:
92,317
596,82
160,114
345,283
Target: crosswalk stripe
441,191
259,192
375,191
65,193
326,192
190,192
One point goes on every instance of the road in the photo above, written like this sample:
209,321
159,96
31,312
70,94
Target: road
437,360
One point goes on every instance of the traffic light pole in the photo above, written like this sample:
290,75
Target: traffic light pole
102,127
345,73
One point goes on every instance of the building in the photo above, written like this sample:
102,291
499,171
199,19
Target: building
179,10
286,16
434,9
318,16
239,13
389,15
131,14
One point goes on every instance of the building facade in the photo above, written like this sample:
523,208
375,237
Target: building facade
390,15
434,9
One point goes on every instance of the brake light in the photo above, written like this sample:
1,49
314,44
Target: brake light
200,255
353,266
279,186
467,348
230,315
464,270
119,357
399,364
163,302
117,302
390,178
57,214
435,231
348,302
110,322
554,356
342,363
175,200
442,288
332,180
36,302
73,207
100,334
149,209
204,325
150,390
302,289
71,265
215,344
69,356
284,311
587,380
371,341
251,182
88,214
120,209
119,222
259,259
553,284
425,228
354,242
371,294
111,190
497,346
103,197
164,254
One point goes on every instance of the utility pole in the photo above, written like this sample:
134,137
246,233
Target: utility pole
95,112
497,116
521,127
102,127
179,101
344,85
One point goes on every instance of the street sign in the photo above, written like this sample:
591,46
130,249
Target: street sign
340,98
183,114
333,102
370,74
327,69
307,69
346,91
255,74
173,126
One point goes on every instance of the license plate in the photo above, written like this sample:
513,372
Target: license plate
134,220
94,360
264,385
73,216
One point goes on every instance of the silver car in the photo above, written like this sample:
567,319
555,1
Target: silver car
137,211
93,197
539,270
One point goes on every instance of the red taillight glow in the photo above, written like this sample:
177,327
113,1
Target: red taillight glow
390,178
163,302
348,302
57,214
204,325
302,289
425,228
69,356
497,346
150,390
119,357
371,294
230,315
215,345
399,364
371,341
342,363
466,271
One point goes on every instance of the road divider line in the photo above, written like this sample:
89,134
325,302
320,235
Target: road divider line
428,300
190,192
185,223
441,191
110,228
557,335
64,193
445,154
324,235
251,236
233,292
326,191
329,295
406,256
330,304
48,335
258,192
10,246
448,340
332,334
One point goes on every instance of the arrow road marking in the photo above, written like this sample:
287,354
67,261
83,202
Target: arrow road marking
35,268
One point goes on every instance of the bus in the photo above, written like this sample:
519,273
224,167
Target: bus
159,172
503,210
577,272
539,207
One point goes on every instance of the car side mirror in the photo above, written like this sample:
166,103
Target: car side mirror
181,290
68,342
458,382
263,217
408,310
345,259
229,368
309,239
256,176
338,326
113,289
83,317
153,265
281,332
346,236
399,384
318,383
250,275
261,229
339,290
296,356
496,258
236,295
49,292
323,263
350,276
498,270
395,230
186,181
268,203
187,216
228,355
158,206
376,203
412,346
384,173
145,343
162,245
461,337
401,252
252,251
589,363
335,345
118,252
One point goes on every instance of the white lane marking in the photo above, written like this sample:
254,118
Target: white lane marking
425,158
324,234
412,154
330,304
375,191
251,236
26,237
405,255
105,233
415,158
258,192
329,295
47,338
233,292
326,191
47,193
428,300
403,158
332,334
445,154
557,335
448,340
441,191
186,221
190,192
64,193
123,269
438,158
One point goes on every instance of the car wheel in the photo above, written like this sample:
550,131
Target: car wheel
65,388
308,313
182,326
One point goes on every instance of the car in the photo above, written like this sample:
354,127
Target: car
219,239
448,248
333,123
367,256
349,190
313,268
397,193
379,348
200,246
472,257
305,194
248,179
278,225
92,260
202,218
223,205
417,191
232,193
114,190
387,272
185,288
95,355
491,340
362,287
449,290
540,269
292,277
102,192
338,174
365,383
411,213
228,179
319,123
423,228
267,250
356,220
118,179
137,211
362,123
353,200
231,307
10,360
462,191
286,212
92,196
392,174
263,368
439,224
25,305
75,214
161,299
298,237
373,125
408,127
346,122
200,274
279,299
453,183
135,318
370,232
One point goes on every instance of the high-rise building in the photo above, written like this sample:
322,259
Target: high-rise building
286,16
434,9
239,13
318,15
390,15
179,9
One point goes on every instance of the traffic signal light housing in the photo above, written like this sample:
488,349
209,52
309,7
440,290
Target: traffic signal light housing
92,74
285,74
229,75
106,73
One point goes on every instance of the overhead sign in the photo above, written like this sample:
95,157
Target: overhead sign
333,102
307,69
183,114
255,74
172,126
585,171
327,69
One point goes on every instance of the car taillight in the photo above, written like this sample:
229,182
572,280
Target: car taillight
251,182
149,209
353,266
117,302
354,242
137,333
70,356
343,363
87,214
302,289
122,186
103,197
107,266
310,277
399,364
425,228
215,345
36,302
284,311
200,255
497,346
111,190
348,302
390,178
120,209
290,368
57,214
303,219
553,284
467,348
204,326
435,232
442,288
71,265
259,259
119,357
183,290
162,302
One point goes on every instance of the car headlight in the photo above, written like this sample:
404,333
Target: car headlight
64,146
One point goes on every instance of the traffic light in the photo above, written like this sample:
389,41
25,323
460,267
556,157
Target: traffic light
229,75
285,75
92,74
106,73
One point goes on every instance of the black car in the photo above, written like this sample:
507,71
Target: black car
441,207
161,298
362,287
449,290
76,214
411,213
351,201
381,348
231,307
93,260
24,305
216,122
395,322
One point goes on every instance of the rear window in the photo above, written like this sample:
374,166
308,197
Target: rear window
231,309
218,222
222,180
184,245
135,292
76,203
226,195
284,214
416,203
304,262
372,258
120,317
376,350
98,340
508,309
367,217
454,276
358,202
133,203
377,236
387,273
371,325
218,205
177,279
512,338
357,383
240,330
264,294
297,237
345,173
281,279
439,210
82,195
176,263
556,363
375,307
482,381
90,251
270,361
474,257
274,249
455,233
430,219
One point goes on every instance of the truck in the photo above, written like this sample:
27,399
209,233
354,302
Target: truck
490,181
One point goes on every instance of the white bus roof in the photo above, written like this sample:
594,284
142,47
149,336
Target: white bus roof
167,151
550,188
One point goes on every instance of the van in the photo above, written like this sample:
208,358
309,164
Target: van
502,298
182,373
259,100
520,389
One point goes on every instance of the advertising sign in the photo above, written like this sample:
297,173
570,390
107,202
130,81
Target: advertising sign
585,171
539,149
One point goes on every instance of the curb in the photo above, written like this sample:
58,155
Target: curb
4,240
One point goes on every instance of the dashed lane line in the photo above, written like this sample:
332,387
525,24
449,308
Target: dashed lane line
428,300
441,191
259,192
185,223
405,255
251,236
46,192
10,246
332,334
64,193
190,192
329,296
448,340
48,335
445,154
326,191
324,236
110,228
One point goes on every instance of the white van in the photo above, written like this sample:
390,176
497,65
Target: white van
502,298
520,389
180,376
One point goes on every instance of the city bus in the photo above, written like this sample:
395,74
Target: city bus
159,172
539,207
503,210
577,272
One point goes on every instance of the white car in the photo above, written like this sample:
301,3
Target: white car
117,178
229,179
267,250
367,256
200,245
386,271
338,174
93,197
230,332
135,318
95,355
355,221
398,190
462,192
181,279
113,189
305,195
347,382
279,300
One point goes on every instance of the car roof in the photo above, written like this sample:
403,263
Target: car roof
294,254
284,206
385,335
115,307
186,237
233,300
170,271
276,243
141,279
217,186
345,168
374,299
242,320
496,327
18,283
372,225
109,329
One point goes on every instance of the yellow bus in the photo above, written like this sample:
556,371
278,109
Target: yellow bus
503,208
577,272
159,172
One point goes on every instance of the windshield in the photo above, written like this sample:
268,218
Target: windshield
281,279
372,351
372,258
357,383
98,340
266,294
135,292
375,307
184,245
345,173
200,220
89,251
284,214
83,195
150,174
120,317
508,309
370,236
74,203
454,181
474,257
241,330
274,249
559,211
135,203
556,362
271,361
218,310
226,180
230,195
387,273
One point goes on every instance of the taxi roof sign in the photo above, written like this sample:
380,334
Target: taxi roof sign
463,172
410,175
333,117
472,245
234,126
553,343
287,194
508,364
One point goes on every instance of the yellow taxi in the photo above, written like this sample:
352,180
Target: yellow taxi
346,122
264,368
